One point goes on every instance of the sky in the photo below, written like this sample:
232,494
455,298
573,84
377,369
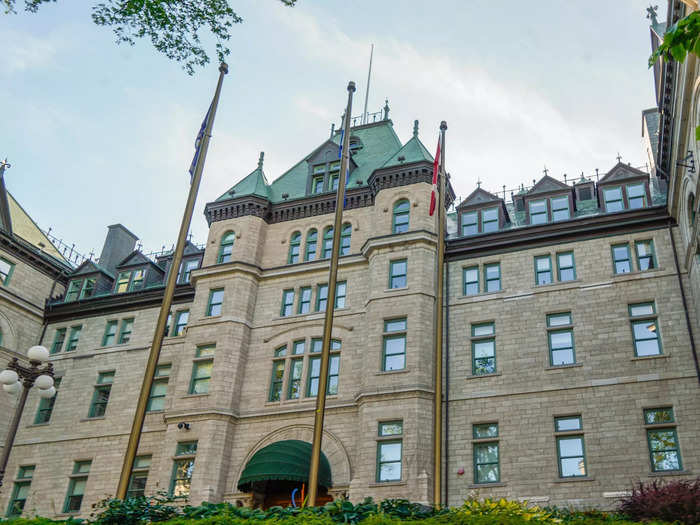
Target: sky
99,133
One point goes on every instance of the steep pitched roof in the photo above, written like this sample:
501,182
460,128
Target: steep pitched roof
136,258
24,226
89,267
620,172
255,183
479,196
412,151
547,184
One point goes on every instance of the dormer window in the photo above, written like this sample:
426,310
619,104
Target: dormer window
318,175
186,269
80,289
470,223
325,177
613,199
538,212
355,145
489,220
560,208
130,281
636,196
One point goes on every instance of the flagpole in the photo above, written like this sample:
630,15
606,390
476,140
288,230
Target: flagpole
139,416
330,306
437,474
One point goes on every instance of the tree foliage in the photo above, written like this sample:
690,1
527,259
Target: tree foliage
174,27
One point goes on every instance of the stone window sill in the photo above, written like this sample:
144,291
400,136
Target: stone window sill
555,283
388,372
574,479
647,357
560,367
399,289
194,395
637,272
387,484
483,375
31,425
670,473
486,485
96,418
481,294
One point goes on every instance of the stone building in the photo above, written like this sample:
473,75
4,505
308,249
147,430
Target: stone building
569,321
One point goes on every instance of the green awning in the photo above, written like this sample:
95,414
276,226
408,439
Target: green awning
284,460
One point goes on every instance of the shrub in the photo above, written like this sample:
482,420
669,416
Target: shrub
677,500
134,511
506,509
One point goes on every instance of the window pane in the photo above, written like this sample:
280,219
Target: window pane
666,460
562,357
543,263
654,416
573,467
484,349
486,453
558,319
641,309
395,325
395,362
390,452
469,224
560,340
571,446
393,428
395,345
486,430
390,472
487,473
299,347
483,329
538,207
562,424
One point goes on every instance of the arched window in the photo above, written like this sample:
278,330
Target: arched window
327,242
345,234
400,219
226,247
294,248
311,245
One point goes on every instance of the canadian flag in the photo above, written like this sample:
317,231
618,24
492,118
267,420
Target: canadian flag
436,167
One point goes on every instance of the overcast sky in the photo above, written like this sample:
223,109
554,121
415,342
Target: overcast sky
98,133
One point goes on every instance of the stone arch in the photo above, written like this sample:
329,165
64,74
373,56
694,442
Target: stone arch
332,447
305,331
9,337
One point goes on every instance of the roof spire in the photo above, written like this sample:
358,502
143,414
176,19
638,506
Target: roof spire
619,157
332,129
386,109
260,160
415,128
545,170
652,14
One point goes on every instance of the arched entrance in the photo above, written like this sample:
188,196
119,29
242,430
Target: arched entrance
278,475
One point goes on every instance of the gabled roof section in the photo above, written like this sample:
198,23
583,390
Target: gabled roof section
136,258
548,184
620,172
412,151
478,196
255,183
89,267
191,249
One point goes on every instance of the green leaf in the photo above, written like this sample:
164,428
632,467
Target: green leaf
697,133
678,52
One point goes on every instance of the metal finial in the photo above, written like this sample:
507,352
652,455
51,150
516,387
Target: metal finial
4,165
415,128
545,170
443,125
139,246
223,68
332,129
478,182
261,159
652,14
386,109
619,157
351,86
564,178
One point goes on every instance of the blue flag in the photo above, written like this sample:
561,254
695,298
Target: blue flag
198,144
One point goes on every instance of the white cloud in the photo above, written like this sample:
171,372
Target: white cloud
22,52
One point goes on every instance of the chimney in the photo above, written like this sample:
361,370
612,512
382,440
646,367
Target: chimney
119,243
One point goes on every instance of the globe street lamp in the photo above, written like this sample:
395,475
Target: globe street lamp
17,377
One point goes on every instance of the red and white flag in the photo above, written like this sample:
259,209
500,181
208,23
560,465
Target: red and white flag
436,167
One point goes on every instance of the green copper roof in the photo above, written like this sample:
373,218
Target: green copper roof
412,151
379,144
284,460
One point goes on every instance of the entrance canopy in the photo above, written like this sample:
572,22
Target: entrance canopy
284,460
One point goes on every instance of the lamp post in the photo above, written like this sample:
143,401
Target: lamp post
17,377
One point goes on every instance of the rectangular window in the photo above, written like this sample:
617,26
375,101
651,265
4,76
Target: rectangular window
645,329
110,334
58,339
397,274
159,388
201,370
183,465
294,387
571,455
43,414
471,280
470,223
100,396
664,452
560,208
483,349
621,258
186,269
125,332
73,290
76,486
389,451
88,288
543,270
613,199
304,300
6,268
21,491
561,340
636,196
566,268
538,212
492,277
122,282
645,255
315,369
287,303
139,477
181,319
486,457
73,338
317,185
394,345
489,220
277,380
334,181
340,292
321,297
137,277
216,299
